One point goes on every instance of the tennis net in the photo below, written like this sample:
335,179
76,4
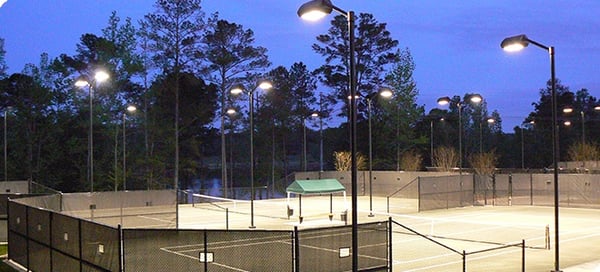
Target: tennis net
273,208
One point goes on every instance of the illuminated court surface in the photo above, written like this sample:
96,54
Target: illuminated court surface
470,230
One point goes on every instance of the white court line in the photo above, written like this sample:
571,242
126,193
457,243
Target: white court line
501,252
228,242
157,219
198,259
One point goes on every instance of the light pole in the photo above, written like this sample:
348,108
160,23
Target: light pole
318,115
570,109
130,108
231,112
523,143
386,93
265,85
315,10
517,43
83,81
473,98
6,111
304,144
431,120
489,120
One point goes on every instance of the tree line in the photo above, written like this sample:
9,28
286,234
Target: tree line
178,66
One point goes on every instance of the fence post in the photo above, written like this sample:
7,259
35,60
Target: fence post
205,251
8,224
121,249
80,245
510,189
531,189
51,217
390,246
27,233
419,194
523,256
296,250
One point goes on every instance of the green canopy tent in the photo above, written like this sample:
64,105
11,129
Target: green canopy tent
315,186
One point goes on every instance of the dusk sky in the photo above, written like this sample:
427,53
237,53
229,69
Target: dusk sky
455,44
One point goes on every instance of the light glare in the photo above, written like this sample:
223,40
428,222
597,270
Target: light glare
476,98
131,108
101,76
265,85
81,83
514,47
387,93
313,15
443,101
236,90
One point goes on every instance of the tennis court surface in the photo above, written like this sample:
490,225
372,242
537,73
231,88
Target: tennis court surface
490,237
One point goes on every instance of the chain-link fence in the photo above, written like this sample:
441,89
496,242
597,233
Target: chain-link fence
42,238
575,190
445,192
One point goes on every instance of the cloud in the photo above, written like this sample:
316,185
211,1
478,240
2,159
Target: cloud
2,2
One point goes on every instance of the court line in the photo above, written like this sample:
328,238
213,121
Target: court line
501,252
198,259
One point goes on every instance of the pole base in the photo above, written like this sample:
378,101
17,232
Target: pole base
371,214
252,227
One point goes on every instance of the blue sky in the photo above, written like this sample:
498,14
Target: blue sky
455,44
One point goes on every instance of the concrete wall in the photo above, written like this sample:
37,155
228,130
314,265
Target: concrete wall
384,182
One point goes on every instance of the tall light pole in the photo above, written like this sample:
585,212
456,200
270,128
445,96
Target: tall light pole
6,111
265,85
431,120
386,93
319,115
130,108
489,120
231,113
570,109
305,161
315,10
517,43
83,81
473,98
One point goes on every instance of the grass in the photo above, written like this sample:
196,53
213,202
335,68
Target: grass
5,267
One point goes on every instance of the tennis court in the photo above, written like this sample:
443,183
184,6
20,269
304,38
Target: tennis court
469,230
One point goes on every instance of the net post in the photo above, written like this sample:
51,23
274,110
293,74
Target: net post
547,237
227,218
464,259
388,204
